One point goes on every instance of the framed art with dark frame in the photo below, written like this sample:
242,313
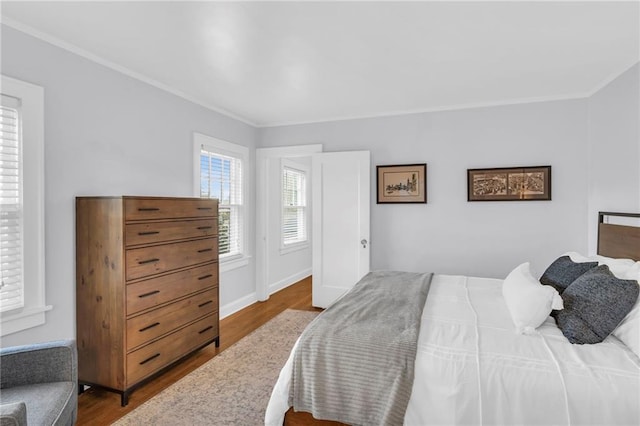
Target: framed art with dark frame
402,183
509,184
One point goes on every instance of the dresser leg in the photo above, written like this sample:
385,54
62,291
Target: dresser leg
124,399
218,342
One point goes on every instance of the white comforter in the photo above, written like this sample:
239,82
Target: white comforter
471,368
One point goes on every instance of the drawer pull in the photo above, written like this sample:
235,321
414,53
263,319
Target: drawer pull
151,293
205,250
205,303
205,227
149,359
149,233
155,324
206,329
148,209
204,277
144,262
205,208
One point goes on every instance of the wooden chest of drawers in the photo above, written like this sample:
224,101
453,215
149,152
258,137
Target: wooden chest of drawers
146,286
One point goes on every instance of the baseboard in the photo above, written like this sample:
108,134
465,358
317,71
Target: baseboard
250,299
286,282
236,305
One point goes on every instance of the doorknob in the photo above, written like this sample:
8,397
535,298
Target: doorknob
364,243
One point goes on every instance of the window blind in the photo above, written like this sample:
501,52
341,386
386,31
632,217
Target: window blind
221,178
11,218
294,204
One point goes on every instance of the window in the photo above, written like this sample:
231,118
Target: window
221,173
11,226
21,206
294,204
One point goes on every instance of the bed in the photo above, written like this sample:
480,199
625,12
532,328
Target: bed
472,367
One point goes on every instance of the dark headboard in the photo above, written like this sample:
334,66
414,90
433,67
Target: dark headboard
618,240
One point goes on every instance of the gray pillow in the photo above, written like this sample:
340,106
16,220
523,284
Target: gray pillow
594,304
563,271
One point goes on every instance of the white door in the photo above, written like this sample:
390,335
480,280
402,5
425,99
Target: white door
341,193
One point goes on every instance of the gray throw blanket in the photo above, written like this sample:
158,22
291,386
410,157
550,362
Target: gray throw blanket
355,362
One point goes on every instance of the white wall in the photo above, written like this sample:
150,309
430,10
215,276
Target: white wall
449,234
108,134
284,268
614,149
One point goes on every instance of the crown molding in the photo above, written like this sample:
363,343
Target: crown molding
455,107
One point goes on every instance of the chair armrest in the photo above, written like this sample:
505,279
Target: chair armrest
39,363
14,414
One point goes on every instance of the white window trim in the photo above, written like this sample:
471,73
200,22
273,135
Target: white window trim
291,247
33,312
233,150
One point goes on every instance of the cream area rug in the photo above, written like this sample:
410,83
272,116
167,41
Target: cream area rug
234,387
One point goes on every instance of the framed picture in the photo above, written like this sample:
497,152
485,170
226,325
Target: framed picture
405,183
509,184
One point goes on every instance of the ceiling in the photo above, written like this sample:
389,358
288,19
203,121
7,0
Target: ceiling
274,63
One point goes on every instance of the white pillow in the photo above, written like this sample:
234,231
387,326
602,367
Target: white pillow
618,267
628,331
528,301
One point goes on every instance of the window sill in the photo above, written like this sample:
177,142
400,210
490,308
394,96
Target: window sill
234,263
294,247
22,320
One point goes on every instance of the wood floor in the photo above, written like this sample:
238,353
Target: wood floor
99,407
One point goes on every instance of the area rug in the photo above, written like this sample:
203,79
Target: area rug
232,388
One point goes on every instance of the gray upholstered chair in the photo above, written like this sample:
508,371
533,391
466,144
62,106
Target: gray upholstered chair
39,384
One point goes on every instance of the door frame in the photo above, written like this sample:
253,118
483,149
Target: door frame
263,186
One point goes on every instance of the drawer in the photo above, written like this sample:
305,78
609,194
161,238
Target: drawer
151,325
159,208
156,291
154,232
145,261
151,358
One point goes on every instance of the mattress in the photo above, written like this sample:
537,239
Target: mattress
472,368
